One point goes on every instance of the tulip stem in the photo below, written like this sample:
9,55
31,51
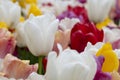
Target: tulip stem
40,65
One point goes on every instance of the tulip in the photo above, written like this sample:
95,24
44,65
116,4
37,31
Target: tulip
19,35
35,76
98,10
16,68
63,38
10,13
7,42
81,34
63,66
34,10
40,34
93,49
68,23
111,58
75,12
114,33
64,5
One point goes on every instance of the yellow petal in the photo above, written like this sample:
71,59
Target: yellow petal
103,24
34,10
111,62
3,25
13,0
22,3
31,1
22,19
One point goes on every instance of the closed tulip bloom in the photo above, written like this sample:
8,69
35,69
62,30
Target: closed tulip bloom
70,65
9,13
40,33
20,35
98,10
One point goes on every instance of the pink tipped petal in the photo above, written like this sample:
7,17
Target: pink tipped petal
63,38
15,68
7,42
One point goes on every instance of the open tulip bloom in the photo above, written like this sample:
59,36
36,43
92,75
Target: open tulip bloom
59,40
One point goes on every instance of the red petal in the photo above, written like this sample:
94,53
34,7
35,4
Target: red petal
91,38
78,41
81,27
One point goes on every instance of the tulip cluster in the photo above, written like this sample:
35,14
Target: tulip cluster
59,40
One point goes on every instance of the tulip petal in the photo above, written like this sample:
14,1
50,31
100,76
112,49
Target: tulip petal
51,73
77,41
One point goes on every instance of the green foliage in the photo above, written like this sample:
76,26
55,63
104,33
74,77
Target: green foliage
25,54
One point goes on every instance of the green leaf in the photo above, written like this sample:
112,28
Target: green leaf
25,54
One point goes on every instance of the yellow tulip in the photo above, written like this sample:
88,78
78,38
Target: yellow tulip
31,1
22,19
103,24
111,62
3,25
23,3
34,10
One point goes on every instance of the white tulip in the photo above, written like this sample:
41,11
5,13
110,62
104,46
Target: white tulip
92,49
20,35
35,76
9,13
111,35
70,65
68,23
40,33
98,10
58,5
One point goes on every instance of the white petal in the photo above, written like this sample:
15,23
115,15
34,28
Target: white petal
98,10
33,37
35,76
51,73
20,35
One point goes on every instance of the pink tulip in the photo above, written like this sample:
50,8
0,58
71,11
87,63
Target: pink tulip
16,68
7,42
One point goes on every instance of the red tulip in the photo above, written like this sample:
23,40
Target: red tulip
81,34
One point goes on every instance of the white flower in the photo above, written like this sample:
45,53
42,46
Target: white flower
64,4
40,33
111,35
9,12
4,78
68,23
20,35
35,76
98,10
92,49
57,7
70,65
